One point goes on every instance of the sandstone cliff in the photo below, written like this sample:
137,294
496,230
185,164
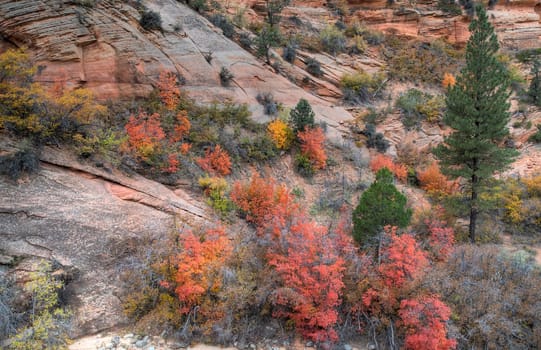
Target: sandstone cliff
105,49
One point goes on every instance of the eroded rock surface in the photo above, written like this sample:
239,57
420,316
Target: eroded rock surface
106,50
87,220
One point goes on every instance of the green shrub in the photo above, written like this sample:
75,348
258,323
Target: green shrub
421,62
313,67
536,138
226,76
223,23
103,143
151,20
259,148
302,116
198,5
534,90
527,55
85,3
216,189
417,106
304,166
290,53
267,38
245,40
239,18
357,45
266,99
450,7
375,139
25,161
362,87
370,36
9,317
333,40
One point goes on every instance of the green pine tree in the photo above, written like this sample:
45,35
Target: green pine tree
535,85
302,115
274,8
477,110
268,38
380,205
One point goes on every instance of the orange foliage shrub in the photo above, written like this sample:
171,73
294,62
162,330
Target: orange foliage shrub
435,183
424,319
185,148
380,161
144,134
172,164
255,198
261,199
169,90
182,128
448,80
280,134
312,146
216,161
198,266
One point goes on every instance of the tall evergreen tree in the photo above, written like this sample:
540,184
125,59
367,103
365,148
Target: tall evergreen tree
477,110
535,84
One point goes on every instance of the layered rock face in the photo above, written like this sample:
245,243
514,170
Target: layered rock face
517,23
88,221
106,50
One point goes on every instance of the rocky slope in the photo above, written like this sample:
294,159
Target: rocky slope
105,50
87,220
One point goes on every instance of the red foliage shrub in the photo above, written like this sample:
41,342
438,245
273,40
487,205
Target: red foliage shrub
402,259
216,161
380,161
312,146
424,319
311,269
172,164
441,239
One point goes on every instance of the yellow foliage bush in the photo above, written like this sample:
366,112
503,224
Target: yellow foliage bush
29,110
216,189
533,186
513,207
280,133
